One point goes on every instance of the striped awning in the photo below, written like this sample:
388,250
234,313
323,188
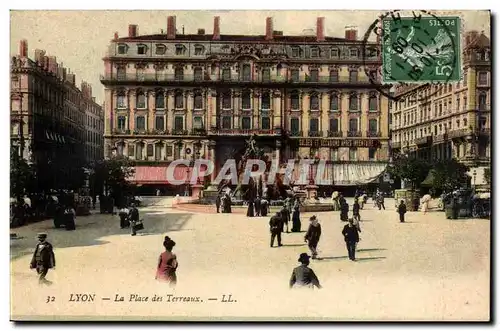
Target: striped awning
158,174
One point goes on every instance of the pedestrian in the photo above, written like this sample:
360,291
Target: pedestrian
355,211
276,227
351,238
228,203
123,215
285,215
43,259
217,203
70,215
312,236
303,276
381,201
296,225
133,216
402,211
344,210
250,209
425,202
167,264
257,206
264,206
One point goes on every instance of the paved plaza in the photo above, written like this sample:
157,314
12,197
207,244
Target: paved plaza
427,269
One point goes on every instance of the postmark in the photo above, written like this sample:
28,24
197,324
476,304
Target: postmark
418,49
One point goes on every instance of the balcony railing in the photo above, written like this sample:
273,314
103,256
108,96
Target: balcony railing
179,132
121,131
315,133
354,133
335,134
244,132
199,132
423,140
295,133
373,134
156,77
459,133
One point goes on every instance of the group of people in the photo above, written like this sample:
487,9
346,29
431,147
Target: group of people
129,217
257,207
223,203
278,222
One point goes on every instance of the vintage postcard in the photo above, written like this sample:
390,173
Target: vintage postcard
250,165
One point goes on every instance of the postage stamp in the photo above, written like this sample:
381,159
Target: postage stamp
421,49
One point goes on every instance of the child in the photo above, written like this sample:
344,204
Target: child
312,236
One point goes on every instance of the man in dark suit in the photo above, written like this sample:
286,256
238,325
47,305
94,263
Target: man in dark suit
276,227
351,238
43,259
303,276
134,218
217,202
257,206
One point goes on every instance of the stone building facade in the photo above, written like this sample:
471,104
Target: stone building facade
171,96
48,113
455,120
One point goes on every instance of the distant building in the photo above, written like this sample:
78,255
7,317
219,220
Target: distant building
48,118
455,122
171,96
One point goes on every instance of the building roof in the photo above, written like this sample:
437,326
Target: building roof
235,38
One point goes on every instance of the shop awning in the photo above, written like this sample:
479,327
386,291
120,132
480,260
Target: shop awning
158,174
351,174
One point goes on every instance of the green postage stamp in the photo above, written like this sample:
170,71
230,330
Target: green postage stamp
421,49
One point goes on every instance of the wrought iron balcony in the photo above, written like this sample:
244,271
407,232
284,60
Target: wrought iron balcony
121,131
158,77
373,134
180,132
354,133
295,133
159,132
140,131
244,132
315,133
336,134
423,140
199,132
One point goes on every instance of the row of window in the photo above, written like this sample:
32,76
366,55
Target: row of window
246,101
226,122
94,138
246,74
296,51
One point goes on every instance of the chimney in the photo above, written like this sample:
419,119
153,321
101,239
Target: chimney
269,28
52,64
201,31
171,30
320,29
23,48
116,36
351,33
132,30
216,35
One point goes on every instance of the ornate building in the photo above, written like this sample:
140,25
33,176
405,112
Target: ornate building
48,115
171,96
454,121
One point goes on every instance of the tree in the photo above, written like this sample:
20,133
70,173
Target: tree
22,175
449,175
487,176
113,175
412,170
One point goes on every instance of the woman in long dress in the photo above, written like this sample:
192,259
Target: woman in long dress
296,217
167,264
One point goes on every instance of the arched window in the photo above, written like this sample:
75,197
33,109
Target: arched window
266,100
198,74
482,101
198,100
294,100
246,102
246,72
141,100
314,102
353,101
159,100
179,74
373,102
121,100
334,101
179,100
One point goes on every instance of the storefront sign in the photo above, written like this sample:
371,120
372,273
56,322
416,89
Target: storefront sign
316,143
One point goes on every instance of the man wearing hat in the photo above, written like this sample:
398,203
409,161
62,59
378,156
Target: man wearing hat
351,238
276,227
43,258
312,236
303,276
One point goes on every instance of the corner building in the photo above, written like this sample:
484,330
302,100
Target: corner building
185,96
450,120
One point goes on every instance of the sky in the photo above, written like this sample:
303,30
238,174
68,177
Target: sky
79,38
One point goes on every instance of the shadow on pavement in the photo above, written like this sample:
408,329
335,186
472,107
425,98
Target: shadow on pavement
90,228
370,249
293,245
363,259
